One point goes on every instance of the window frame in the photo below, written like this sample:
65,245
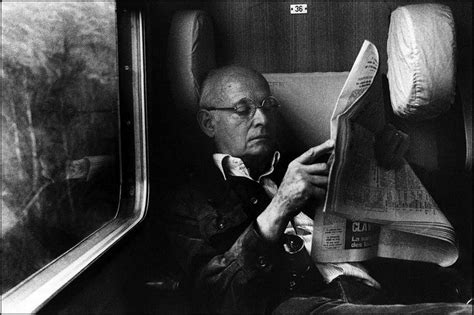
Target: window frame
36,290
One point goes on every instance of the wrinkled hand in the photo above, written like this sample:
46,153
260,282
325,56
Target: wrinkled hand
305,182
390,147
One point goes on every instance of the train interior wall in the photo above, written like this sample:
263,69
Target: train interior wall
264,36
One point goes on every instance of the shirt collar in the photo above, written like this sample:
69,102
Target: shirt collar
236,167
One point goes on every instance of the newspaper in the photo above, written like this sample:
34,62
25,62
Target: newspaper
371,211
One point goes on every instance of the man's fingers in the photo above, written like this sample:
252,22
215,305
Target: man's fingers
318,192
315,152
316,169
320,181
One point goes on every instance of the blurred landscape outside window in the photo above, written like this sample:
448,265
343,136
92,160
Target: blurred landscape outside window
60,143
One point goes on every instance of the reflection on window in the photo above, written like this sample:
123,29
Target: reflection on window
60,174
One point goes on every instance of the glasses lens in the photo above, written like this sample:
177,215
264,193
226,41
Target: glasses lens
270,103
245,107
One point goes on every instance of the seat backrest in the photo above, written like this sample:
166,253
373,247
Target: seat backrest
307,102
190,56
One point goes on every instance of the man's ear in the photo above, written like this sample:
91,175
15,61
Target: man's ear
206,122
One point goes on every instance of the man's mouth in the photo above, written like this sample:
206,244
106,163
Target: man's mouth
260,137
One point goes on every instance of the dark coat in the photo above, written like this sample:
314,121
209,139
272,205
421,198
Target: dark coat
212,227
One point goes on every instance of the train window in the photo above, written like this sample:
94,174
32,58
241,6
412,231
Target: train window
74,176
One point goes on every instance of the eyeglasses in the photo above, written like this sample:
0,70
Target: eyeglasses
247,107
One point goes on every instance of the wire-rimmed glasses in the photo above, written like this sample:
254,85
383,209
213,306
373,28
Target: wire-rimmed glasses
247,107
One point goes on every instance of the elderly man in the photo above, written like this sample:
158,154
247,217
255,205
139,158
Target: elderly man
227,223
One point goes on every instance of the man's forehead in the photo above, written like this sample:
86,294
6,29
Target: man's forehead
233,85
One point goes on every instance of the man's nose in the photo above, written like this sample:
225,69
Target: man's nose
261,117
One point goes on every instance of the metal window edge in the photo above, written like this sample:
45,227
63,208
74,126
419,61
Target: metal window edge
30,295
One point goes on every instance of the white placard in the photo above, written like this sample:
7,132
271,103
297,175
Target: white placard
301,8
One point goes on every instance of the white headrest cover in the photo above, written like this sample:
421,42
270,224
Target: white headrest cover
421,60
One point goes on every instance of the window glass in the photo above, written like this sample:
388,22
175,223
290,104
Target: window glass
60,144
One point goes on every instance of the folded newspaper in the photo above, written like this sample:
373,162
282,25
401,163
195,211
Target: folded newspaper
371,211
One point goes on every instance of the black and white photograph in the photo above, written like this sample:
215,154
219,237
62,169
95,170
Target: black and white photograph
236,157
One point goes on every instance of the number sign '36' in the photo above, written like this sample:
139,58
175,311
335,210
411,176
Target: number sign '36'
298,8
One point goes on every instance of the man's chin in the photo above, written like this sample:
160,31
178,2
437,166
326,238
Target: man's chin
262,149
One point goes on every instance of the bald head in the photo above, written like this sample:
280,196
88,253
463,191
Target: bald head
214,89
